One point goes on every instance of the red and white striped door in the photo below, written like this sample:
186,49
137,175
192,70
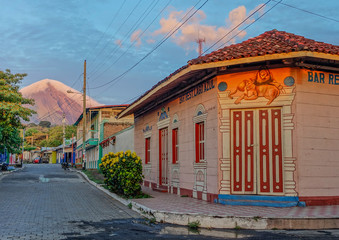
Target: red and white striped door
257,151
163,156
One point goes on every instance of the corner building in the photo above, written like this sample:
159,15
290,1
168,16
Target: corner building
256,120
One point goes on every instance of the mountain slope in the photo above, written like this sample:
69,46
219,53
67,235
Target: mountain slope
52,100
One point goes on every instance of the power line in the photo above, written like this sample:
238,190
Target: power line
307,11
54,111
220,46
134,40
236,26
133,28
76,80
121,25
113,19
149,53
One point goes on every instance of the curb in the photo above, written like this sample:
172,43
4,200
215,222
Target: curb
4,173
218,222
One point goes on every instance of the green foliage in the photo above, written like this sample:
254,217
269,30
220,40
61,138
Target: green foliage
31,131
123,173
55,135
12,110
194,225
46,124
10,138
94,175
29,148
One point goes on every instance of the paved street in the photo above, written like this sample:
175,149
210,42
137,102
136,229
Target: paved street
46,202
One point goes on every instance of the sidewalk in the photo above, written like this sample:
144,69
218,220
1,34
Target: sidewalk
170,208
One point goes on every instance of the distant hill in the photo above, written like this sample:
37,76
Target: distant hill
52,100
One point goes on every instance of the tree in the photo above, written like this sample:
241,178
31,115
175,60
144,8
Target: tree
46,124
30,132
12,110
55,136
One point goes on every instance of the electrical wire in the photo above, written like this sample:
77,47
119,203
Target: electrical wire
234,28
124,53
228,39
102,36
307,11
137,23
149,53
222,45
110,40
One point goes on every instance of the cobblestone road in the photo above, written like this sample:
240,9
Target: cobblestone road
46,202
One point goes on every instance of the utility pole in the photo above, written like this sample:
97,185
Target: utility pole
72,149
23,144
63,136
200,41
84,121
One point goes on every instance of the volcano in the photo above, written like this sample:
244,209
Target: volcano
52,101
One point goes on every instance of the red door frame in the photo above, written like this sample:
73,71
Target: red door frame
161,153
270,171
160,160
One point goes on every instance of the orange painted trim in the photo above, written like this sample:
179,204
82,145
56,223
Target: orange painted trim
203,66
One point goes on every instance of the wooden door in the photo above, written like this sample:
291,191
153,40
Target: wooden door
163,156
257,151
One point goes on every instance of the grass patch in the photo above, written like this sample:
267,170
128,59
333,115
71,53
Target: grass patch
194,225
95,175
256,218
238,227
152,220
141,195
130,206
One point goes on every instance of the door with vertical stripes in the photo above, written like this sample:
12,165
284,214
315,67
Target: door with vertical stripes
256,145
163,156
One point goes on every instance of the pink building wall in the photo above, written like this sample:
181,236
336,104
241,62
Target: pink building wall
317,134
184,113
310,135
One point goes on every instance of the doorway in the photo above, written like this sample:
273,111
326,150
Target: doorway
163,156
256,151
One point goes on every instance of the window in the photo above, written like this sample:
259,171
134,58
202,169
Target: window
199,142
147,150
175,146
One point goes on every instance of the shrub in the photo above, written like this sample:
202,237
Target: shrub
123,173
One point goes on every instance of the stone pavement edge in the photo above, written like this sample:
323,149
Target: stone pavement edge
170,208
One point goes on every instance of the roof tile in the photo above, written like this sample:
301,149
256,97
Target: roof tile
270,42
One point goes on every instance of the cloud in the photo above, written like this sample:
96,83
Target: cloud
187,36
118,42
150,41
135,37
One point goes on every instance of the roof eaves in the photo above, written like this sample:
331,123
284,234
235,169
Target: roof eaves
217,64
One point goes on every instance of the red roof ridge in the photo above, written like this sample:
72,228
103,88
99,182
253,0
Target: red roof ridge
270,42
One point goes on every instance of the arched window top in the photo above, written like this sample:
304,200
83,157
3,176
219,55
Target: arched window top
175,118
200,110
175,121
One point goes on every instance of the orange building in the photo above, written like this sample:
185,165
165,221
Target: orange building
252,123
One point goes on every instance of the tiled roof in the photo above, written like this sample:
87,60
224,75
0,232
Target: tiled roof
270,42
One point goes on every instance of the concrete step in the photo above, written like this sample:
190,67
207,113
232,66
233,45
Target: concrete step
263,201
163,189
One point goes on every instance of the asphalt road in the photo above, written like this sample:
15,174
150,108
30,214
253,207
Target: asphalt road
46,202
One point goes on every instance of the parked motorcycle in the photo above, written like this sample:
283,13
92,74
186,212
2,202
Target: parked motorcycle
65,165
4,166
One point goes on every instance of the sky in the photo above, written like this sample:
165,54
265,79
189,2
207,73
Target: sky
130,45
